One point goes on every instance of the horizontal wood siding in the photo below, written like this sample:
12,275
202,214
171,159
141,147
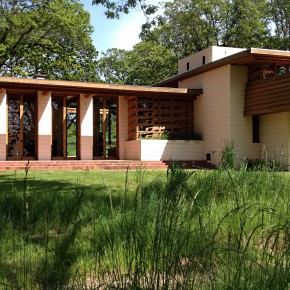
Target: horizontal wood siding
268,96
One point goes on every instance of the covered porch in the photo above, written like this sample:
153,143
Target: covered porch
61,120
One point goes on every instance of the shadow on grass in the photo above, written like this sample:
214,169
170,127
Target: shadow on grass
47,216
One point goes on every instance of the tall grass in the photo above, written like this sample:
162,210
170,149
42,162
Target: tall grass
183,229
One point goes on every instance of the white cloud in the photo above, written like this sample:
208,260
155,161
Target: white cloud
126,35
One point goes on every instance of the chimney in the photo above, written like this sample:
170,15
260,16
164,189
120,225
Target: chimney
39,77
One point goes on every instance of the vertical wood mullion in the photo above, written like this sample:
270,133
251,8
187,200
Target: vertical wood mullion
117,128
7,125
104,127
64,128
21,128
78,129
36,126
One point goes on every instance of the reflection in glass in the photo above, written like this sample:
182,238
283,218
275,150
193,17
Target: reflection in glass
21,126
71,126
57,126
14,126
28,126
105,126
111,131
98,127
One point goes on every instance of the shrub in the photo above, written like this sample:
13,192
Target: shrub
229,156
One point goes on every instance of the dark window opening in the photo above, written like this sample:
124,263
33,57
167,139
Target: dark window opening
187,66
256,128
203,60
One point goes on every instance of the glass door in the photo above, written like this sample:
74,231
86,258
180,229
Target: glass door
111,127
65,127
105,127
71,127
21,141
58,125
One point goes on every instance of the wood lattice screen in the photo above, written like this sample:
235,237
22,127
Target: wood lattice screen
150,117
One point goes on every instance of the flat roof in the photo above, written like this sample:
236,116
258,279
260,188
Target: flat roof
246,57
102,89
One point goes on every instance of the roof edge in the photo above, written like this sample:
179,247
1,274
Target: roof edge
93,88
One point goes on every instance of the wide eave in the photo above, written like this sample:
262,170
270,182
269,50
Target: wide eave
101,89
245,57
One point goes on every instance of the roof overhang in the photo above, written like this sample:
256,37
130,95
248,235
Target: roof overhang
245,57
100,89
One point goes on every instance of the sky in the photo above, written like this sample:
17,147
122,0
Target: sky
114,33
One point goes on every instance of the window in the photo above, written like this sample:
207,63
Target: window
203,60
187,66
256,128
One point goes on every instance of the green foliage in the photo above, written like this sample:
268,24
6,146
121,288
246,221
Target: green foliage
115,8
190,26
183,136
147,63
229,156
181,230
113,66
46,37
258,164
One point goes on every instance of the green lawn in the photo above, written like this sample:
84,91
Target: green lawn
145,230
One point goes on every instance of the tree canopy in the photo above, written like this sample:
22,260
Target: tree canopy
46,37
188,26
191,26
54,37
114,9
146,64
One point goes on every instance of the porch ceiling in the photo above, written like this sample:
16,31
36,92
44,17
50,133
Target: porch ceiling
92,88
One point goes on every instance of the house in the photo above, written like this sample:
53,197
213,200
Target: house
220,95
245,100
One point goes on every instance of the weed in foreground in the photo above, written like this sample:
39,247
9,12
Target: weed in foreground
186,230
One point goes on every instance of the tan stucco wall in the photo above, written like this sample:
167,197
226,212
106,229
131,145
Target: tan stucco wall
3,125
211,54
219,112
212,109
166,150
86,127
123,126
241,126
44,126
133,150
274,136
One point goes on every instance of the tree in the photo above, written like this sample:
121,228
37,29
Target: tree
46,37
113,66
150,63
146,64
280,16
114,9
191,26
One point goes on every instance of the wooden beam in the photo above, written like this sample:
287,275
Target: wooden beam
89,88
88,96
46,93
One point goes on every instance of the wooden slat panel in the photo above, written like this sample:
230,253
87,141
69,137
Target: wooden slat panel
150,117
268,96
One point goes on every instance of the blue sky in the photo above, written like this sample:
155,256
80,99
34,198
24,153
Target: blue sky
122,33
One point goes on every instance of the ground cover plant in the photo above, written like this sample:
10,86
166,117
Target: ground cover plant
175,229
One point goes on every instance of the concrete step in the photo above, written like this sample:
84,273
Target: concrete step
81,165
96,165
